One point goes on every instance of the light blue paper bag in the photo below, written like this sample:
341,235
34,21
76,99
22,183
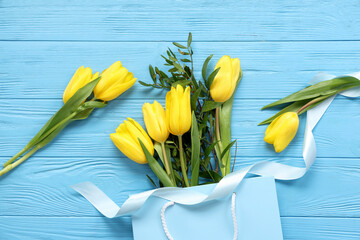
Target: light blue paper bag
256,208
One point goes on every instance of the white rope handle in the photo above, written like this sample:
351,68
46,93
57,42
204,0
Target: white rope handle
168,204
163,220
233,213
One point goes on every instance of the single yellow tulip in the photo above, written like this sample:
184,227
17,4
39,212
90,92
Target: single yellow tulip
282,130
126,140
224,83
81,77
178,110
114,81
155,121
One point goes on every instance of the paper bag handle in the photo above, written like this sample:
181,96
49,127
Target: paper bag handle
171,203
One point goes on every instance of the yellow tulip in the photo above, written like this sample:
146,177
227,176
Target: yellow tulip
114,81
282,130
155,121
81,77
126,140
178,110
224,83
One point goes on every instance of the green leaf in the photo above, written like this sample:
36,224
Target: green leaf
294,107
172,53
185,60
66,110
291,108
145,84
194,99
52,135
211,78
209,149
189,40
205,66
178,177
92,104
83,114
183,53
211,175
328,87
156,168
195,151
210,105
179,45
173,59
183,83
152,181
178,67
152,73
172,70
227,149
158,149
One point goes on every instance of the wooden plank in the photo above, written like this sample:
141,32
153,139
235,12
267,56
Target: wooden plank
94,228
170,20
21,119
321,228
279,68
65,228
41,186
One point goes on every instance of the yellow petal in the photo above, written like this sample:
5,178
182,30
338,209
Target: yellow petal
155,122
282,130
81,77
128,147
114,81
223,86
174,112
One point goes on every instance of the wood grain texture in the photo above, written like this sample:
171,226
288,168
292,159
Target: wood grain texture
90,138
24,73
100,228
281,46
44,190
170,20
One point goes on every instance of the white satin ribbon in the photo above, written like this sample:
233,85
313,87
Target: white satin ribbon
189,196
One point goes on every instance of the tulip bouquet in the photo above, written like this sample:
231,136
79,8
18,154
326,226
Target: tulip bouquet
192,135
85,92
284,124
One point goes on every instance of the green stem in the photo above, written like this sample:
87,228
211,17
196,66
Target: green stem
218,138
16,156
18,162
166,162
311,103
57,125
182,162
43,136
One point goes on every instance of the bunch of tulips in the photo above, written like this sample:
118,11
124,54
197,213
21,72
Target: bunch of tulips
168,127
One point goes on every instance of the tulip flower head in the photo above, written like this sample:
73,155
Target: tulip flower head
224,83
81,77
282,130
178,110
155,121
127,141
114,81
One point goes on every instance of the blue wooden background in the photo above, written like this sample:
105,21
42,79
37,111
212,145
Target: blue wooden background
281,45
